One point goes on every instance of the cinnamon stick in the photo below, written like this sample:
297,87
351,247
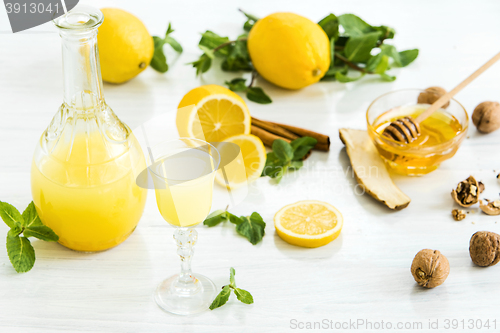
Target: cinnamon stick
266,137
282,131
274,128
323,139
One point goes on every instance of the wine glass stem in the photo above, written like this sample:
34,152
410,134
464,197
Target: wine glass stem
185,239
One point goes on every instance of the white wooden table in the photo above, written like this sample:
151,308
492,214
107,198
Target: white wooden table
363,275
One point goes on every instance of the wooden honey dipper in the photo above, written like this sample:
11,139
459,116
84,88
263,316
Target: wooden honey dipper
407,129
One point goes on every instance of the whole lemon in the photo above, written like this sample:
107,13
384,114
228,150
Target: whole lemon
125,46
289,50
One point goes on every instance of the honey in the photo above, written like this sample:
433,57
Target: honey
440,135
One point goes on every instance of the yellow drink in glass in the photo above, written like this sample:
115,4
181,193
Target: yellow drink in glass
185,202
183,173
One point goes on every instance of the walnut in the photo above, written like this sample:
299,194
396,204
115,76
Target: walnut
430,268
458,214
486,117
467,192
432,94
484,248
491,208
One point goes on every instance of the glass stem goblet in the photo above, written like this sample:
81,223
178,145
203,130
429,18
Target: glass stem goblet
183,174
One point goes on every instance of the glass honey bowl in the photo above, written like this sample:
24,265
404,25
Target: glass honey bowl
441,133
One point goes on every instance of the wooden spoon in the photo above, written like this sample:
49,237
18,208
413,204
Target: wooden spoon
407,129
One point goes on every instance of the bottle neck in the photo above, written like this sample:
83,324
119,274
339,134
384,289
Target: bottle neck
81,69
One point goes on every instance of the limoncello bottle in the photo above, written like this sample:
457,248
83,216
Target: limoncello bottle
85,165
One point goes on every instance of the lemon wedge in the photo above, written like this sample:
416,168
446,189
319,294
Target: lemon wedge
249,164
212,113
308,223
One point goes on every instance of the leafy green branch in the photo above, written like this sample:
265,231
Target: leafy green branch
19,248
159,61
241,294
287,156
251,227
361,47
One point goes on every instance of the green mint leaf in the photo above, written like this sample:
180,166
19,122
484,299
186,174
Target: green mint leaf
21,253
257,95
295,165
159,60
383,65
30,216
378,64
169,29
208,52
250,16
202,65
211,40
386,32
16,231
174,43
358,48
272,171
243,296
232,281
248,25
215,218
273,165
252,228
280,173
408,56
330,74
330,25
10,215
391,51
302,146
234,219
344,78
238,84
354,26
301,151
221,298
282,150
41,232
238,64
387,77
332,52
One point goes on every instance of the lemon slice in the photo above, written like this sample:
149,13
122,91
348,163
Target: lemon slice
308,223
212,113
247,166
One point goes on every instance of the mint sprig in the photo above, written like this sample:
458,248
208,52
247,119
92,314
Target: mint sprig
287,156
241,294
361,47
251,227
234,58
159,61
19,248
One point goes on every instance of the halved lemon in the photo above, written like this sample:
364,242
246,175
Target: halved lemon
308,223
212,113
247,166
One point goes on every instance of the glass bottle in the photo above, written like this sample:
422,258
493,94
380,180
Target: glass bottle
85,165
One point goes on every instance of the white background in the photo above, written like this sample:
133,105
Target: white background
364,274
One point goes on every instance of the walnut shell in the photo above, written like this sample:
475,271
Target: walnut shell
430,268
458,214
491,208
467,192
484,248
486,117
432,94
